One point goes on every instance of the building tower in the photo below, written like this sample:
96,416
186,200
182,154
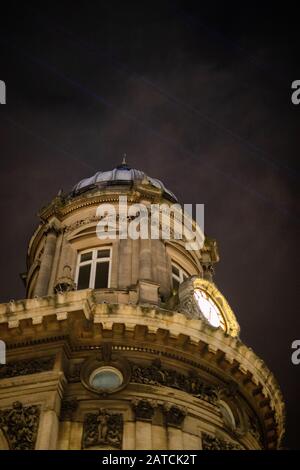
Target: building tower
127,344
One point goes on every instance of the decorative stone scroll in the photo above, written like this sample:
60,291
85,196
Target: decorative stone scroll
20,426
155,374
214,443
102,429
25,367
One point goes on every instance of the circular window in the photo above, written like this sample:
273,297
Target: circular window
106,378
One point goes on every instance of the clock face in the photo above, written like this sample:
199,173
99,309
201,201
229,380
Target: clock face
209,308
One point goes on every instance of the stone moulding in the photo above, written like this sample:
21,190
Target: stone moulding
214,347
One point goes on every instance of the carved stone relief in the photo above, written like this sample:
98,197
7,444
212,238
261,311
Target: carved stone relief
214,443
20,425
174,415
155,374
102,429
144,409
25,367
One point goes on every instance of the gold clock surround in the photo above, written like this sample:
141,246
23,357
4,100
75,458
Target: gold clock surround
188,303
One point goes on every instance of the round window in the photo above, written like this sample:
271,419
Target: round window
106,378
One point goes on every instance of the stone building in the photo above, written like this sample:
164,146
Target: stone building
127,344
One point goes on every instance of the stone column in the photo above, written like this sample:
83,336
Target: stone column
145,271
175,439
55,264
190,441
67,257
129,434
144,411
135,261
159,438
163,275
64,435
76,436
43,279
125,255
48,431
114,277
143,435
174,417
68,407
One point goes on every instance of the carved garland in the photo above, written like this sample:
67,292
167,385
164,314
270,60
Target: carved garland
20,426
156,375
214,443
25,367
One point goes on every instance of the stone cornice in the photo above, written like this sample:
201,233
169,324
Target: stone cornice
156,327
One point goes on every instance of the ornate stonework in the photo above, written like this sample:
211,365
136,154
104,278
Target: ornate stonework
144,409
102,429
155,374
20,425
107,341
214,443
174,415
25,367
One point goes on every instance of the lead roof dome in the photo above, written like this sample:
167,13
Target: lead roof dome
121,175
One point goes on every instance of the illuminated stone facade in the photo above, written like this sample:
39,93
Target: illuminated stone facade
129,365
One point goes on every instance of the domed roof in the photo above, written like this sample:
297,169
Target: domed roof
122,175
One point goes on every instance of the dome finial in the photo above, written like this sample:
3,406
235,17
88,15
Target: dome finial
124,159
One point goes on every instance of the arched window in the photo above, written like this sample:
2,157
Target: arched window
227,414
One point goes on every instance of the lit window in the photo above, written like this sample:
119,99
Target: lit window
178,275
93,268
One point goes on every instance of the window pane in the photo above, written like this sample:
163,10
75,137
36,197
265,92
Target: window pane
175,284
84,276
103,254
86,256
175,270
101,279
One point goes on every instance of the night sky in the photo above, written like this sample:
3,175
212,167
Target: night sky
197,95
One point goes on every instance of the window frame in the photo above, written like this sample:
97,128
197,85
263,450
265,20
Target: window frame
93,262
182,273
